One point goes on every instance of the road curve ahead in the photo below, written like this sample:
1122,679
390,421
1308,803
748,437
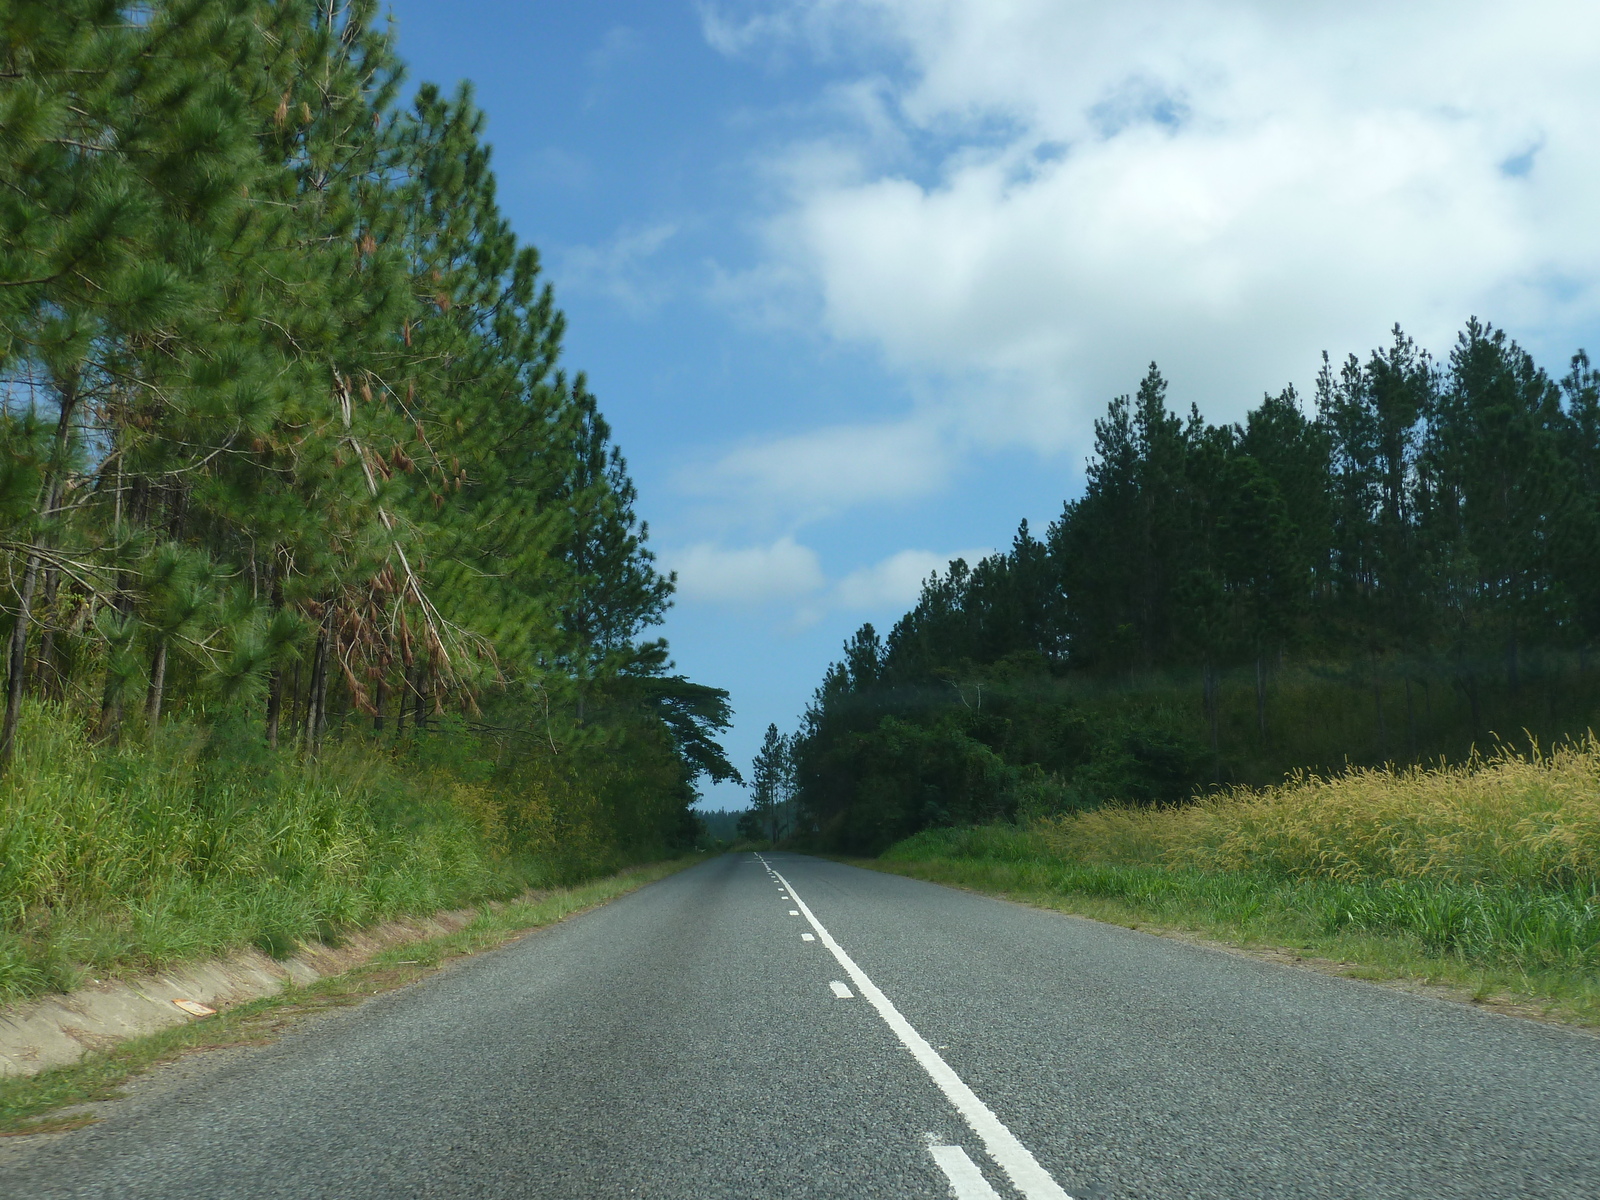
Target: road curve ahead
791,1027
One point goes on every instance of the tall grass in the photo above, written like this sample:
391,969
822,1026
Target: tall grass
1495,861
205,842
1512,819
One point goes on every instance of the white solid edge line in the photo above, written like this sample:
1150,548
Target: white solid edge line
1010,1155
966,1181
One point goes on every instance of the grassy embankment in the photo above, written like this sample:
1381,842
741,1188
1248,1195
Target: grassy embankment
1484,876
114,860
26,1103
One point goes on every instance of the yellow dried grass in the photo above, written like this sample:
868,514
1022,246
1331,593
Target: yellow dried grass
1509,818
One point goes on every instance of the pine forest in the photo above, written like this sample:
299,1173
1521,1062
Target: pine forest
325,593
1404,570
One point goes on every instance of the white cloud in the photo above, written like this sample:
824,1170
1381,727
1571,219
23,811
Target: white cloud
733,36
620,268
894,584
783,570
809,475
786,572
1225,187
825,28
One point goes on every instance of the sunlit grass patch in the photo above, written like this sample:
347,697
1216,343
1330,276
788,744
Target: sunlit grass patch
1485,875
1530,819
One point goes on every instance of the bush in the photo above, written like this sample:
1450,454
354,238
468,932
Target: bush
146,855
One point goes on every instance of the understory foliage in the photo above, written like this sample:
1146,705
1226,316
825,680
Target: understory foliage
1403,572
289,461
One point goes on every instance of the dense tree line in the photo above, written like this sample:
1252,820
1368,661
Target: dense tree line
286,439
1408,569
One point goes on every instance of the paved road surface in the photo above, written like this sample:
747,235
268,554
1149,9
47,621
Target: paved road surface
687,1041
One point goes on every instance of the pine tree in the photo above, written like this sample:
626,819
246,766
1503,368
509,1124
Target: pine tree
769,784
1507,492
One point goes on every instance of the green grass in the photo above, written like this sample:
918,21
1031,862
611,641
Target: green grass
1537,948
27,1102
137,858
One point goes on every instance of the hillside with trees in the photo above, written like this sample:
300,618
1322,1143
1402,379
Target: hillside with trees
1407,569
291,471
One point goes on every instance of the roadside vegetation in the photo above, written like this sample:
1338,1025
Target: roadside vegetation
27,1102
146,855
323,592
1484,875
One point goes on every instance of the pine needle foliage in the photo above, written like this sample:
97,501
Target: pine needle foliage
286,442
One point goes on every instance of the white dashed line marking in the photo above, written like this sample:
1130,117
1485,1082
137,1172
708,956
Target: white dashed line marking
806,937
841,991
1010,1155
794,912
966,1181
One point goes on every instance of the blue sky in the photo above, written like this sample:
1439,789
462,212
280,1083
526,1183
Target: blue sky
852,279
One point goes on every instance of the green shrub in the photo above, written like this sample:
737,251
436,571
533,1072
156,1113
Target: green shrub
206,842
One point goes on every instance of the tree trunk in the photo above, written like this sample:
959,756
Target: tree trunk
379,699
341,711
316,692
1377,700
275,680
17,661
43,673
306,718
295,714
419,718
400,709
319,707
322,708
158,682
1513,667
274,707
108,729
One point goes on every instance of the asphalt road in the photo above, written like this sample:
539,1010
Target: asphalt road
687,1041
